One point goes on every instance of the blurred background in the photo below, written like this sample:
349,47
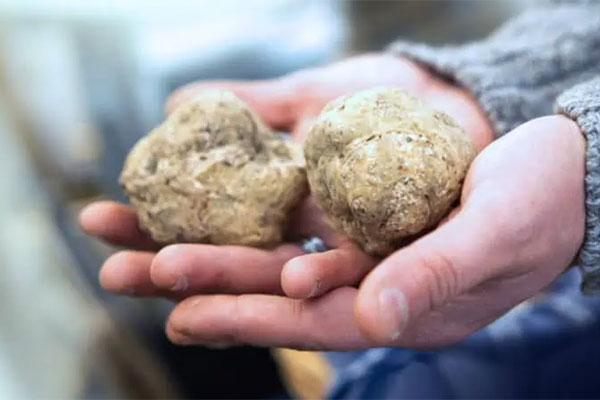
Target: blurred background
80,82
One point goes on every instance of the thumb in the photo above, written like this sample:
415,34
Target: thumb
273,100
419,278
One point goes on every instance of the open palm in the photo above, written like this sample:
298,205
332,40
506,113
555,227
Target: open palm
499,248
288,103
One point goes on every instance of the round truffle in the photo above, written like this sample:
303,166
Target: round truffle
214,173
384,167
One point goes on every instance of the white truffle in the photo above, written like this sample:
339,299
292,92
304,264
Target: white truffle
384,167
214,173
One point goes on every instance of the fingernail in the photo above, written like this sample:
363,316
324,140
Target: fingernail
181,284
315,289
393,312
87,212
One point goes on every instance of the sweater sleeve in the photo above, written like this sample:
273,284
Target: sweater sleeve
518,71
582,104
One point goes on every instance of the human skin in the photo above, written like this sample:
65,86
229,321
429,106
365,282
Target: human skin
519,225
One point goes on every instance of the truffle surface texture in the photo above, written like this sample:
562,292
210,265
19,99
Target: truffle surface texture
384,167
214,173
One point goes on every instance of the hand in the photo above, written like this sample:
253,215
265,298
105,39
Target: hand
520,224
291,103
287,103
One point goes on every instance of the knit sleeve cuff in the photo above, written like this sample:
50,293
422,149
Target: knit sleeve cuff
582,104
459,65
518,71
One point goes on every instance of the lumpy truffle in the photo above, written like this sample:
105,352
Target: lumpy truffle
214,173
384,167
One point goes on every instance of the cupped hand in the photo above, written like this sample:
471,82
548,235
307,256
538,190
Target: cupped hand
288,103
519,225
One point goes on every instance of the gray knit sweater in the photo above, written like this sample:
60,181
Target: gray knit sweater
519,72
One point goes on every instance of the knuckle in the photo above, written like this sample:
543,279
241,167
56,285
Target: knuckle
297,310
311,340
512,226
510,221
220,281
441,277
522,233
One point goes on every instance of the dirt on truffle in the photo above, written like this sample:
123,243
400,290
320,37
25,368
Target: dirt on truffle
214,173
384,167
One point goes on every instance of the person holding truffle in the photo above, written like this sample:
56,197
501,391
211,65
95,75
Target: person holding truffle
528,211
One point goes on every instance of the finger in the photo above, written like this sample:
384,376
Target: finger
116,223
272,99
261,320
313,274
201,268
423,276
128,272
